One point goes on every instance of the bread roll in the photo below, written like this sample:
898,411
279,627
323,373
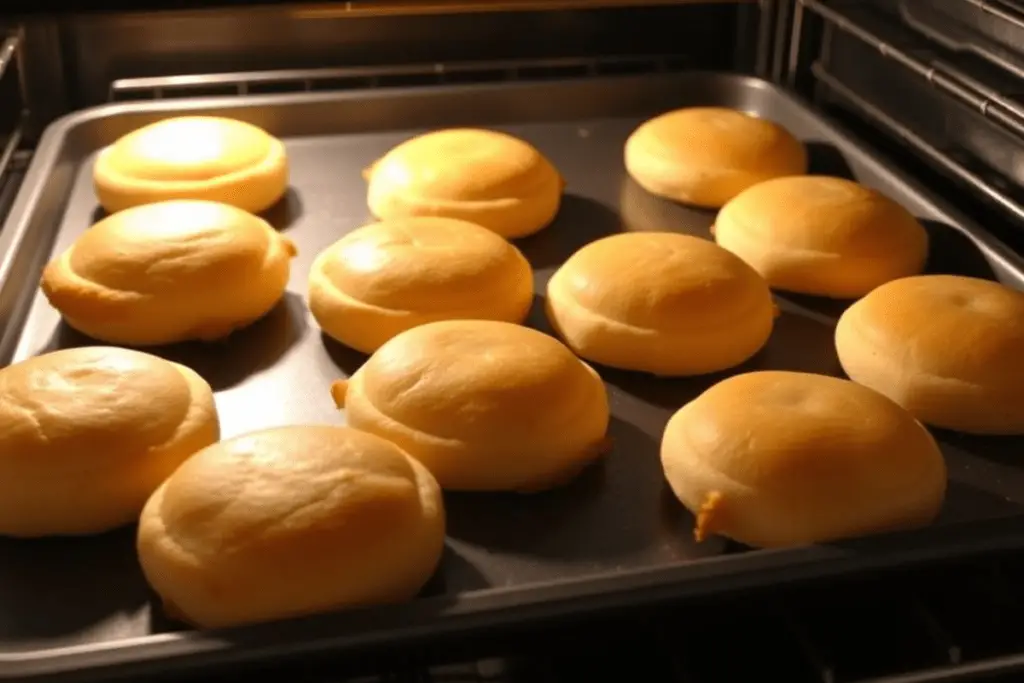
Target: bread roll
192,157
486,406
170,272
662,303
784,458
823,236
291,521
949,349
705,156
389,277
89,433
481,176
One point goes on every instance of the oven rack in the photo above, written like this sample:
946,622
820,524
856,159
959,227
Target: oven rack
992,29
406,75
951,83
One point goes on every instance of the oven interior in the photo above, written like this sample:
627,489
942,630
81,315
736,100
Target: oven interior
934,87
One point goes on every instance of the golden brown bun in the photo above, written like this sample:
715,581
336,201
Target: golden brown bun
89,433
481,176
170,272
785,458
663,303
486,406
705,156
385,278
192,157
949,349
824,236
291,521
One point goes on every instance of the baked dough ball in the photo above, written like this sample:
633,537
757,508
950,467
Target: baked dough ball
170,272
89,433
949,349
823,236
288,522
192,157
481,176
662,303
705,156
486,406
784,458
389,277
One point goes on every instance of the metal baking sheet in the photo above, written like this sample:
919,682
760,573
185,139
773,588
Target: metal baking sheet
615,537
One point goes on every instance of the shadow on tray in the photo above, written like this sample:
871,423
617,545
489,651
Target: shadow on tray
281,215
225,363
55,588
644,212
580,221
952,252
347,360
613,510
826,159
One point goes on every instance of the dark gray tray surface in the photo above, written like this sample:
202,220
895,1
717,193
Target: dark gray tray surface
618,520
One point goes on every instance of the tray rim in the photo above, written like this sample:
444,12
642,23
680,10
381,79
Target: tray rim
444,616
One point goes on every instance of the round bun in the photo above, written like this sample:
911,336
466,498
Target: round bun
170,272
89,433
288,522
662,303
389,277
705,156
949,349
823,236
481,176
192,157
486,406
774,459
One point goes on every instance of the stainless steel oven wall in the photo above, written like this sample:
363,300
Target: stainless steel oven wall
71,62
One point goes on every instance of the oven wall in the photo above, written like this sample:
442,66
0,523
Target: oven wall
71,63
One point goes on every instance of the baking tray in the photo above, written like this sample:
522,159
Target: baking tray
613,538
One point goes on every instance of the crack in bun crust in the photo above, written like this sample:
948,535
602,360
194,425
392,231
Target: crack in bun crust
486,406
705,156
170,272
773,459
662,303
388,277
949,349
482,176
89,433
822,236
291,521
192,157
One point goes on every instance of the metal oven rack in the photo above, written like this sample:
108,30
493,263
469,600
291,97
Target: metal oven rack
955,109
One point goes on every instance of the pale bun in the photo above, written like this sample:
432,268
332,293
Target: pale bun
89,433
822,236
949,349
486,406
705,156
661,303
170,272
192,157
774,459
482,176
288,522
388,277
